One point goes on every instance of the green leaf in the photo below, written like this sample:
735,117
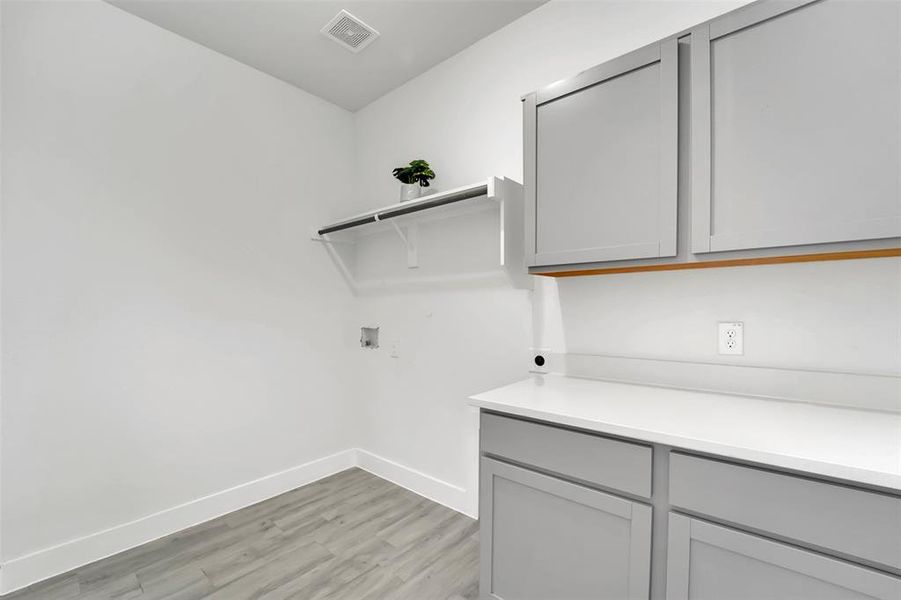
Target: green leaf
418,170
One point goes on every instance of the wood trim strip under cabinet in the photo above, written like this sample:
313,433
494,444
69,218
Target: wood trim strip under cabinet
732,262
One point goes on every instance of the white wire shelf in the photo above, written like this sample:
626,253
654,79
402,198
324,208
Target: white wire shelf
355,242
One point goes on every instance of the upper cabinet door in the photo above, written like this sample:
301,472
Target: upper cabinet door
600,162
796,125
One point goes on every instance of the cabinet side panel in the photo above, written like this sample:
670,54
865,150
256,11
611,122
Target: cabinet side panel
529,152
700,139
678,557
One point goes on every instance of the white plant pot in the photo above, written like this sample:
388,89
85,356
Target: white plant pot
410,191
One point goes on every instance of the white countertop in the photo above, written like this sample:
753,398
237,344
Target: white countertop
856,445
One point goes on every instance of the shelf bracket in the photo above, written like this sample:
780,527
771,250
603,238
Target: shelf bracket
335,255
327,240
323,240
410,237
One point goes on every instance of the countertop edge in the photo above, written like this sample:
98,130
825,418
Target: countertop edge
887,481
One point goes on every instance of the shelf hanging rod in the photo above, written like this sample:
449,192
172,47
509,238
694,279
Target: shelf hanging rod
401,210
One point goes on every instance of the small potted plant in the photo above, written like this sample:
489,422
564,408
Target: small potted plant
413,178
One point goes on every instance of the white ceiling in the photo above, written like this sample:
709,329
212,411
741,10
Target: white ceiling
281,37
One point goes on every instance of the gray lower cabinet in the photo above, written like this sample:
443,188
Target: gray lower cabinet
611,464
722,530
547,539
712,562
860,524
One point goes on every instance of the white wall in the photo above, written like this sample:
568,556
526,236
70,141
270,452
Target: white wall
169,331
832,316
464,116
453,343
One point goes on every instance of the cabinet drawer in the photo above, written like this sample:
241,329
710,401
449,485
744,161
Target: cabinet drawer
609,463
850,521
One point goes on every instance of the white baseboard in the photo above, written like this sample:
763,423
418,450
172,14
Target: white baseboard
49,562
442,492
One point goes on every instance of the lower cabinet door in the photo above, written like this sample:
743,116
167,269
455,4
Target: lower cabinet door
710,562
547,539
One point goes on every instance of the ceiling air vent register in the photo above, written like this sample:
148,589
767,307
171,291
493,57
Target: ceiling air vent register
349,31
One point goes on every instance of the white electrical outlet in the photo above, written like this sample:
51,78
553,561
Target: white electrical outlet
731,338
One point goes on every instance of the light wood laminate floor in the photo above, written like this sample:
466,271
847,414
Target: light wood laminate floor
351,536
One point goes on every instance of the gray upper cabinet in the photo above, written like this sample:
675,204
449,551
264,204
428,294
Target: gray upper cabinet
601,162
545,538
710,562
796,125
